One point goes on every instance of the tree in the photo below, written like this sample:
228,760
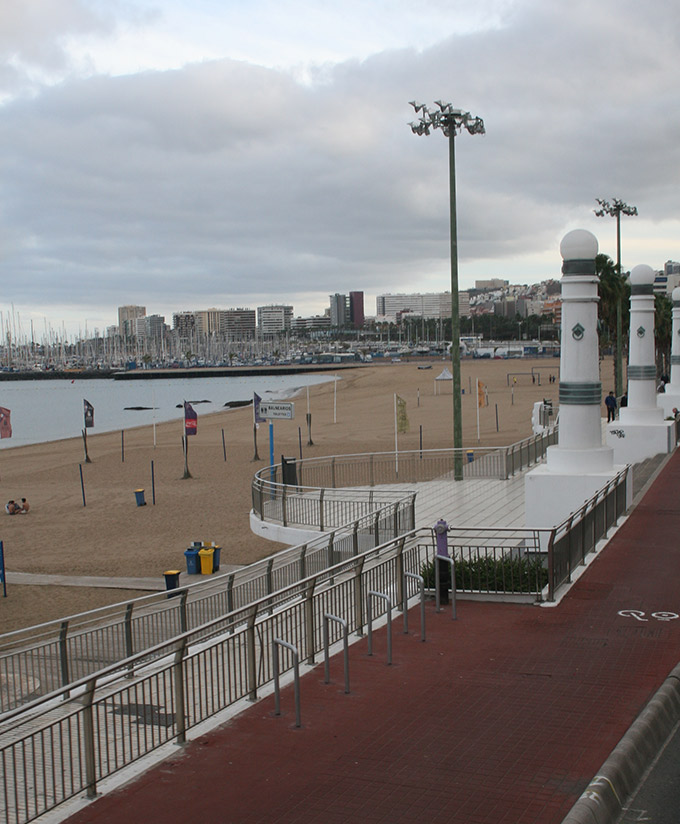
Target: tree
613,287
663,326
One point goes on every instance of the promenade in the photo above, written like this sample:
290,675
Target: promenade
503,715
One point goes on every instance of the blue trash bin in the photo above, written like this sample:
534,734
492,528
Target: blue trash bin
193,565
139,495
470,456
216,557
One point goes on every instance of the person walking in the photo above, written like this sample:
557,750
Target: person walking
610,403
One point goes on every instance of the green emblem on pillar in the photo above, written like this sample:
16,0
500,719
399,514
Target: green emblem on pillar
577,332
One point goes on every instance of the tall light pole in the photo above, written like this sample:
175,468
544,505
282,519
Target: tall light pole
451,121
615,209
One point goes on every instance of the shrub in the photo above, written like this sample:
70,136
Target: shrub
489,574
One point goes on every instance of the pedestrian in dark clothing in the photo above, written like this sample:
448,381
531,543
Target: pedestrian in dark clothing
610,403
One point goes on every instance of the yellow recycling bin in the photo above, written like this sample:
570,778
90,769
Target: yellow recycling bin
206,557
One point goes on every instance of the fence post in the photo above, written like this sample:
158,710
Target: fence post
250,652
261,496
329,552
303,562
63,657
284,517
345,645
183,623
88,739
399,574
395,520
178,683
376,529
270,583
355,539
129,651
321,519
230,596
372,476
551,566
309,620
358,600
333,473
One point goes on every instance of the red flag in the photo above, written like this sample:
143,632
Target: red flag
5,423
190,419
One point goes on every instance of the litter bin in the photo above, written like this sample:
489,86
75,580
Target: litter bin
139,495
191,555
216,557
470,456
206,558
171,581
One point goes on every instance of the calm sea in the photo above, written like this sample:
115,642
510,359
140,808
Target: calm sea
45,410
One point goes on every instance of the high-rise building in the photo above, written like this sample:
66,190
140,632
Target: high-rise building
210,321
339,310
356,309
126,317
239,324
272,320
184,324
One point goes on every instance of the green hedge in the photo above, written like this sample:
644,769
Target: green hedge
489,574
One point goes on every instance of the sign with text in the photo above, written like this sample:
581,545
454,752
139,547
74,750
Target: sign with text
278,410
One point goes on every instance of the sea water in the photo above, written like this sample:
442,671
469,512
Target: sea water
49,410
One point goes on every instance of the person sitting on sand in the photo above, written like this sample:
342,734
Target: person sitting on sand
12,508
24,506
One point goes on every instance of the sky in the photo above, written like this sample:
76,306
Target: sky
188,154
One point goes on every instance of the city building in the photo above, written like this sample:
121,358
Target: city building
490,285
434,305
273,320
126,317
239,324
339,310
356,309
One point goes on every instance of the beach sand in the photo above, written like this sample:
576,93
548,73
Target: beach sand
112,536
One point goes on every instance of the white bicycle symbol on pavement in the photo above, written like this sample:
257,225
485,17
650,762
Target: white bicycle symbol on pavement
639,615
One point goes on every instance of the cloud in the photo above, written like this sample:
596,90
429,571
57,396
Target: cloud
227,183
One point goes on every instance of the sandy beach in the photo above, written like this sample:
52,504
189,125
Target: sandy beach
112,536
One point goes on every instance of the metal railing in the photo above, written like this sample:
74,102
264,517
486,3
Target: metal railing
36,660
67,742
337,488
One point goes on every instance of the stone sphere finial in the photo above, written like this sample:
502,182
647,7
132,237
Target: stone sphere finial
675,296
579,244
642,275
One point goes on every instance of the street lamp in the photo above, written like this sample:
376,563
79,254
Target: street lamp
451,121
615,209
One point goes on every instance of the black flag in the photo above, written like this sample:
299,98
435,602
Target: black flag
89,413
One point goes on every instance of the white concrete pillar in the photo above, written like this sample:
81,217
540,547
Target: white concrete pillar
579,449
642,407
670,399
579,465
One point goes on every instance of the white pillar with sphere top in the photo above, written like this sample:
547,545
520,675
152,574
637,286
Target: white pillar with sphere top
641,431
579,465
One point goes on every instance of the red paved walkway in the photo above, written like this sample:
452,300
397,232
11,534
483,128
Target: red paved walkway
502,716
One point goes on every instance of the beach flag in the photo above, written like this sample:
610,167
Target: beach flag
88,411
257,400
5,423
402,417
482,395
190,419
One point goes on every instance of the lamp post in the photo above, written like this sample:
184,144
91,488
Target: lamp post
451,121
615,209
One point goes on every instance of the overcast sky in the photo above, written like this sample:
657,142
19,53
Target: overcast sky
185,154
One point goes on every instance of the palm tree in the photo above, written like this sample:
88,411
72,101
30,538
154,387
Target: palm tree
613,288
663,324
